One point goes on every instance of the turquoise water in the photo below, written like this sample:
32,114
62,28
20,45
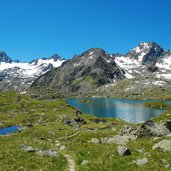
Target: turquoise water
8,130
129,110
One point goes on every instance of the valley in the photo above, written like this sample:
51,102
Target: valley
52,137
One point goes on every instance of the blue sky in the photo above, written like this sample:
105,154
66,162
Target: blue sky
32,29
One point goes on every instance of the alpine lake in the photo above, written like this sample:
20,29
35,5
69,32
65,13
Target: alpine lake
132,111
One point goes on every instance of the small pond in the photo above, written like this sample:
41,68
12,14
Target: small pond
129,110
8,130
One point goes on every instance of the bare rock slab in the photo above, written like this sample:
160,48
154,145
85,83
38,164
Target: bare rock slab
163,145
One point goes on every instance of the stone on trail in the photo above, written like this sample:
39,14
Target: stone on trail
50,152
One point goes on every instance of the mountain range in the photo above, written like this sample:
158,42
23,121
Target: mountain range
18,76
147,66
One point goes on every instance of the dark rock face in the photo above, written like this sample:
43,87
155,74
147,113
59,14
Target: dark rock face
152,68
56,57
168,125
4,57
83,73
155,52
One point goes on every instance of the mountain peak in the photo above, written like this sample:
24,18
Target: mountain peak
4,57
92,55
56,57
95,53
146,52
145,46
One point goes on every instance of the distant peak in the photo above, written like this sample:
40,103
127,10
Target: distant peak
95,52
56,57
148,44
4,57
2,52
145,47
97,49
146,52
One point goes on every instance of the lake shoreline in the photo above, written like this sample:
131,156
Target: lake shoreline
132,111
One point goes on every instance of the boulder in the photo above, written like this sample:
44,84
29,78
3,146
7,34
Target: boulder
140,150
103,140
129,131
85,162
113,129
68,122
62,147
51,153
123,151
141,162
167,166
28,149
22,128
119,140
28,124
71,122
95,141
40,153
150,128
1,123
80,120
163,145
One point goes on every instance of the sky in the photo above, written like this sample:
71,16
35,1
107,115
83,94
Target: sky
31,29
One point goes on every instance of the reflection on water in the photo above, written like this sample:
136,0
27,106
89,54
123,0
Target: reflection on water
128,110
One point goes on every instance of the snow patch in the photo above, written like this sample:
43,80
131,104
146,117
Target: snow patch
129,76
164,76
33,69
159,83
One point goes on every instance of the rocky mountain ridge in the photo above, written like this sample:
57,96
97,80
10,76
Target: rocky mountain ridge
18,76
96,70
89,70
145,66
4,57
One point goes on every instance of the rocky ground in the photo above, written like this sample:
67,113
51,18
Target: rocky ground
52,137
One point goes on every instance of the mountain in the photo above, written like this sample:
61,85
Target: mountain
83,73
144,68
145,59
146,53
150,68
95,72
4,57
18,76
